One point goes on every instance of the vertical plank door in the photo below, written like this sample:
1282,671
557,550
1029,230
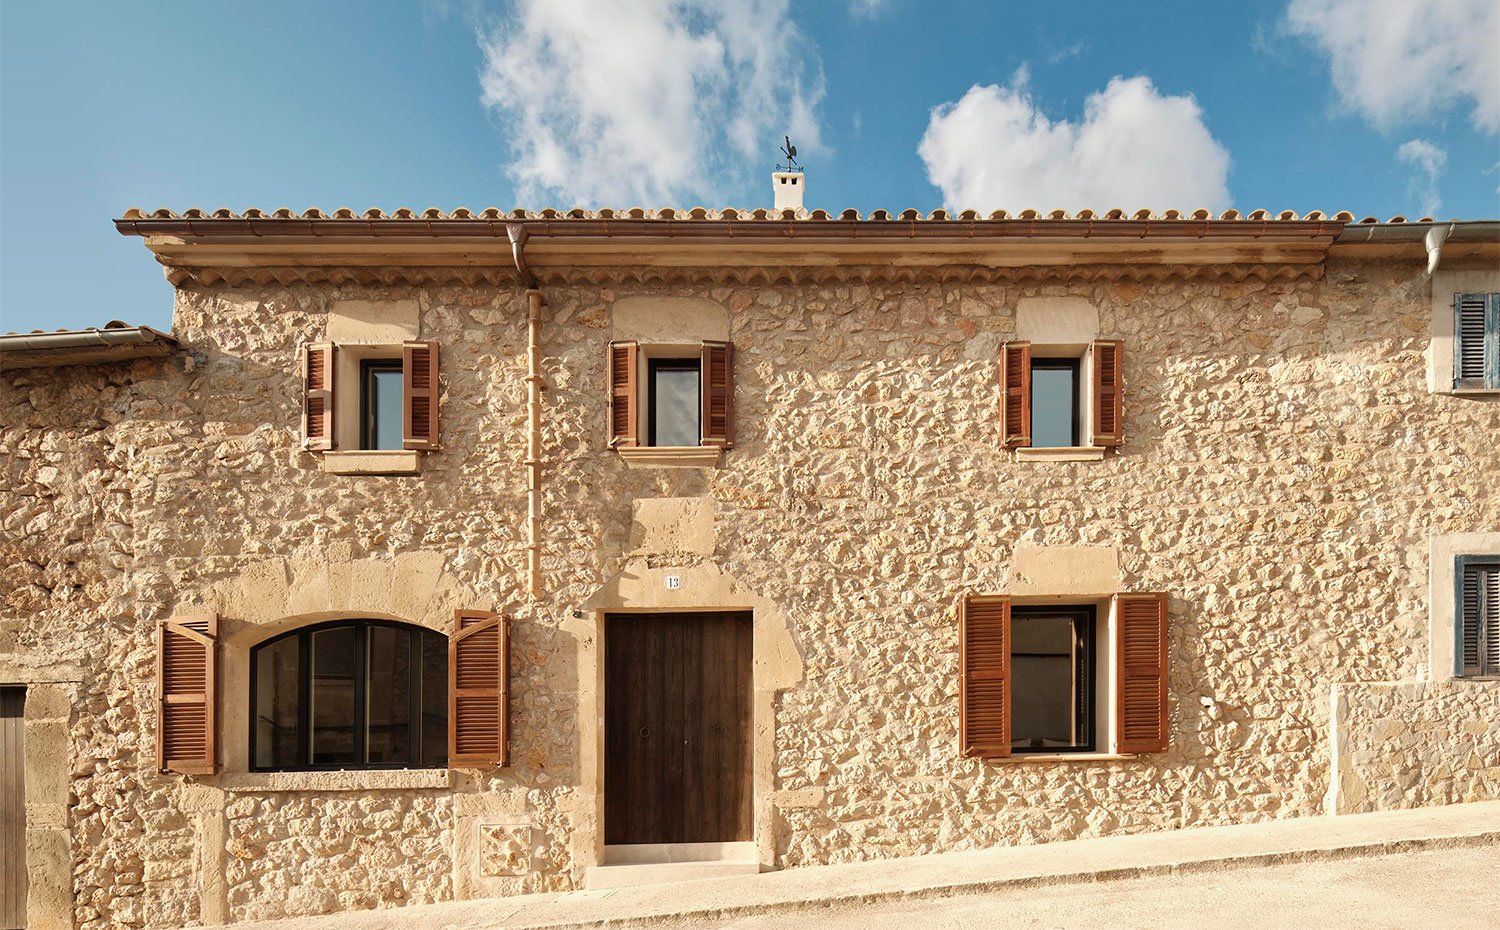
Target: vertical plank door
677,691
12,809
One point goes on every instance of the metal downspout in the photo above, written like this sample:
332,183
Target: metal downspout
534,303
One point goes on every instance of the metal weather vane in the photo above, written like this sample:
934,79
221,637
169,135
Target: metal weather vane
790,152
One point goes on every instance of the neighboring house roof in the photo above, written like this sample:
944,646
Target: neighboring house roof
116,342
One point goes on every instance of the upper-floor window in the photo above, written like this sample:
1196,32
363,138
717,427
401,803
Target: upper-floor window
1476,341
351,694
1478,620
685,399
370,397
380,404
1058,397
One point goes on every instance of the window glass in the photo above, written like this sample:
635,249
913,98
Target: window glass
1051,680
434,699
382,405
332,696
277,677
1054,402
675,403
350,694
388,705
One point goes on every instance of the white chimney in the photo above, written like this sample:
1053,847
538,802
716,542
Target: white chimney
788,186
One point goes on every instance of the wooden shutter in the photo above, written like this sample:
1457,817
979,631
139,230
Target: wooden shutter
1015,394
1470,358
317,396
717,384
479,690
1141,672
984,676
624,419
1105,384
1479,618
419,395
187,673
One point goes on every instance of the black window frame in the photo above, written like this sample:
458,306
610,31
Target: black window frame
1075,365
361,627
1085,617
653,365
367,369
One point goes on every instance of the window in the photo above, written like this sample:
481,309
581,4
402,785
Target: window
1476,341
1069,398
1478,620
687,398
370,397
351,694
1052,679
380,404
674,402
1031,680
1054,402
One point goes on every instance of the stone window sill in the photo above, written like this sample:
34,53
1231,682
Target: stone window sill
1473,392
1060,454
373,462
366,780
1025,757
671,456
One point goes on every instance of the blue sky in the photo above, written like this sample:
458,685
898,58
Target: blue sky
1380,107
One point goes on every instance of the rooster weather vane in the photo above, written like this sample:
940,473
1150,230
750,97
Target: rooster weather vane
790,151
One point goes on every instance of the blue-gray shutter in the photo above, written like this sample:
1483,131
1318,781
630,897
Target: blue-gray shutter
1476,340
1478,620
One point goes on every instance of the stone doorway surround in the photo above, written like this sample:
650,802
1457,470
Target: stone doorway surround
699,586
50,692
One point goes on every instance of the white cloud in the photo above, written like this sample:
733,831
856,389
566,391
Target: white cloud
1428,160
1403,60
655,104
994,149
865,9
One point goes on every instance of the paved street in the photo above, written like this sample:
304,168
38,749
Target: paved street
1443,888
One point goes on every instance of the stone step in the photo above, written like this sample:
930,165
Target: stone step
657,873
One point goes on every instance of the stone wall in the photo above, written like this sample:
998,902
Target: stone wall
1283,469
1400,745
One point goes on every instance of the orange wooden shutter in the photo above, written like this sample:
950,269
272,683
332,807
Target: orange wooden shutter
718,394
1109,363
984,676
1015,394
419,395
317,396
623,393
1141,672
187,672
479,690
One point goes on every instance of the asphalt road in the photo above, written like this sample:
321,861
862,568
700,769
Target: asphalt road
1444,889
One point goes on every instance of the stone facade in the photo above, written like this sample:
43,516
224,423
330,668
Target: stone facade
1284,468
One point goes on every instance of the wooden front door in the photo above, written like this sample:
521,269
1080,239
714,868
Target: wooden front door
12,808
677,728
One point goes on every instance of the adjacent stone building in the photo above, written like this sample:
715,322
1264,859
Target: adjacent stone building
448,555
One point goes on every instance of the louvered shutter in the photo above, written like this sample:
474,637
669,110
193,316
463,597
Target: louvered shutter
1015,394
419,395
984,676
1472,351
717,385
1108,400
1479,618
317,396
623,394
478,690
187,671
1141,672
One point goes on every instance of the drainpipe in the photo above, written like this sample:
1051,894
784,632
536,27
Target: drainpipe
534,303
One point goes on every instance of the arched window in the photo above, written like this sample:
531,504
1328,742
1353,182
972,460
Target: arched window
350,694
